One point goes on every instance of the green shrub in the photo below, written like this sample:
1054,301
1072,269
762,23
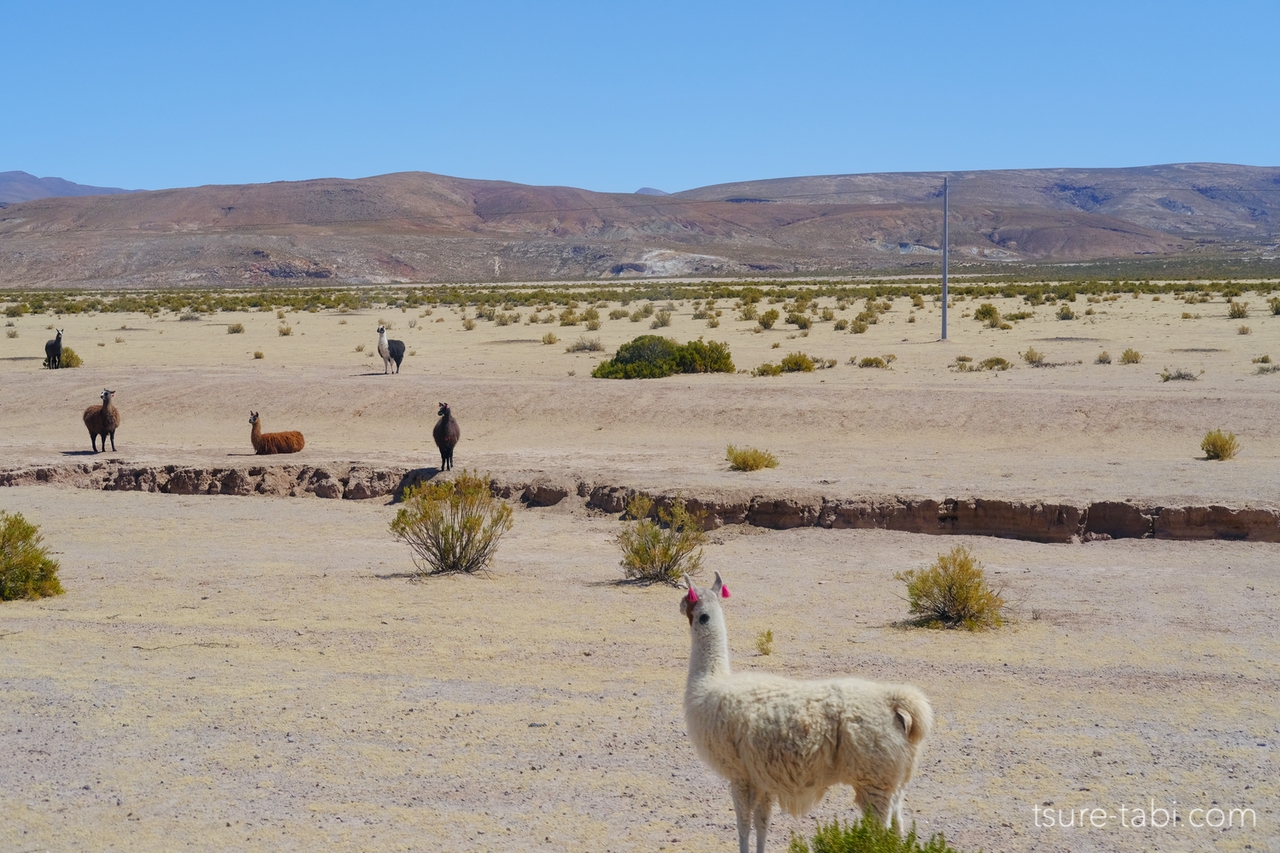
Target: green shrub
768,318
987,313
1065,312
661,320
828,315
69,358
1130,356
873,361
799,320
749,459
585,344
26,570
1179,374
662,551
767,369
994,363
569,317
953,593
19,309
841,324
858,327
867,836
1219,445
749,313
1237,310
653,356
618,313
452,526
797,362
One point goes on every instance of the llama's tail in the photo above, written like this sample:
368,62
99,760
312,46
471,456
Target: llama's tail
912,713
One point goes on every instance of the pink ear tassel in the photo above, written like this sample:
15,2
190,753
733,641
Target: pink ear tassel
693,596
724,592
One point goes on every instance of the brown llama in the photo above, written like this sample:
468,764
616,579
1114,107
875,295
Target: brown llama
273,442
102,420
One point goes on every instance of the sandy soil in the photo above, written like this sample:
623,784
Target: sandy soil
258,673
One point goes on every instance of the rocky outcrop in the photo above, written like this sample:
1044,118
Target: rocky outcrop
1034,521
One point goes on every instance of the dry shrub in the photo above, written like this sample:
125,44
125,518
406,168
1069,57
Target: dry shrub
1237,310
749,458
1177,375
1104,357
550,338
1130,356
1220,445
953,593
1033,357
452,526
662,551
284,331
26,570
661,320
764,642
258,354
797,362
585,344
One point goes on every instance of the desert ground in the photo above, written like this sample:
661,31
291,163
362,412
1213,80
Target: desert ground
261,673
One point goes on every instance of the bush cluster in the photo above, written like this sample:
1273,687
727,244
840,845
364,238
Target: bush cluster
749,458
452,526
653,356
26,570
662,551
953,593
1220,445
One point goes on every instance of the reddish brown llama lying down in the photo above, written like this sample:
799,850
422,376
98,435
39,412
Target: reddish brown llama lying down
273,442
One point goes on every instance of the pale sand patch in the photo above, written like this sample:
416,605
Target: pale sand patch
263,663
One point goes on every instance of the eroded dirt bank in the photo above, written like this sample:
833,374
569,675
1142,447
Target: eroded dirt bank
1007,519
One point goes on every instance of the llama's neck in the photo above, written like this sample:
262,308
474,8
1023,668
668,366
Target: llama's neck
255,433
709,656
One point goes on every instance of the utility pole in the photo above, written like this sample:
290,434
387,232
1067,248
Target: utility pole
946,209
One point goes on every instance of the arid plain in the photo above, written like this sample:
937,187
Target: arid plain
259,673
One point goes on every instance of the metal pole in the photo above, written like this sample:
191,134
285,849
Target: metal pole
946,209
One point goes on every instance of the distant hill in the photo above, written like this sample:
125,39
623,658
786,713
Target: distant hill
20,186
421,227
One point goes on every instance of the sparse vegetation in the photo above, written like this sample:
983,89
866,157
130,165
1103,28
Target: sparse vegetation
1033,357
452,526
26,569
1219,445
661,320
468,323
1244,330
661,551
987,313
1179,374
258,354
767,369
10,333
749,459
873,361
550,339
1065,312
857,327
1104,357
1262,359
1130,356
235,329
653,356
867,836
359,347
797,362
768,318
284,331
965,364
585,344
953,593
1237,310
764,642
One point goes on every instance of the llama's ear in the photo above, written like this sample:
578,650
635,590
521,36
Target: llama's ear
718,585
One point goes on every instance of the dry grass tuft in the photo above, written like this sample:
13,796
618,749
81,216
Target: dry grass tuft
1219,445
953,593
749,459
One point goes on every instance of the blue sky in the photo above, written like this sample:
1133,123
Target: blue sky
613,96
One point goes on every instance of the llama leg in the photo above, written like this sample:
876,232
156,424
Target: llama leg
113,443
879,803
743,806
764,806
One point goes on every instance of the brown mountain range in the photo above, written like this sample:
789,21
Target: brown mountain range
422,227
